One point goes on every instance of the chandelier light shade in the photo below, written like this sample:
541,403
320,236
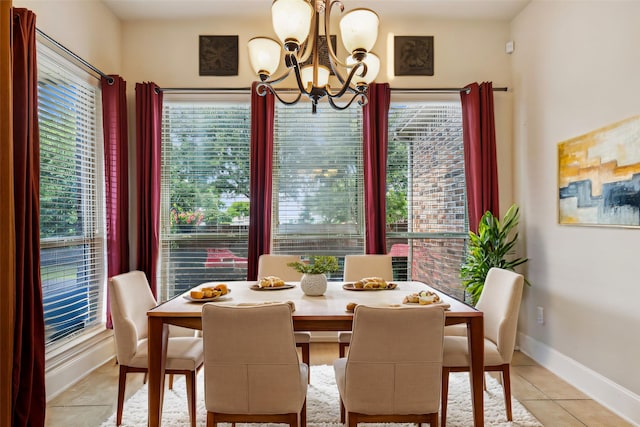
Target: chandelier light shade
291,20
264,55
359,29
297,25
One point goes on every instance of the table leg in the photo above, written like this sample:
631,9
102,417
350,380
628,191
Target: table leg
476,350
158,339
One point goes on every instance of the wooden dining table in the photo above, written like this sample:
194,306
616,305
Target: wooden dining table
312,313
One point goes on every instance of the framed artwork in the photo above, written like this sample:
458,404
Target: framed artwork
413,55
218,55
599,176
323,52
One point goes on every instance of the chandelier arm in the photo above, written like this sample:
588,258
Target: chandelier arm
265,87
333,59
362,101
347,84
296,69
284,101
307,46
279,78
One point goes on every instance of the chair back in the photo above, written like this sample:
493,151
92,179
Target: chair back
276,265
500,303
394,364
358,266
251,363
130,297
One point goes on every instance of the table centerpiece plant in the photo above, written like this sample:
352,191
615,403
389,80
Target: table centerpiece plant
314,280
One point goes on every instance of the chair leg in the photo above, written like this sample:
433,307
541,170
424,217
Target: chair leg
122,383
210,422
342,411
506,385
342,349
170,381
190,380
444,396
303,414
433,422
305,358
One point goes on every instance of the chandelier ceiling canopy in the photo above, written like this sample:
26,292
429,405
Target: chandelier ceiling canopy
297,26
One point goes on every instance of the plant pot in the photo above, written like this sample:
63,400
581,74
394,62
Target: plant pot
313,284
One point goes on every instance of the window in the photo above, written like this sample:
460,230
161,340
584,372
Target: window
317,181
426,193
204,193
71,199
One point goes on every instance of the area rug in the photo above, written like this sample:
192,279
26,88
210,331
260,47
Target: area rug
323,404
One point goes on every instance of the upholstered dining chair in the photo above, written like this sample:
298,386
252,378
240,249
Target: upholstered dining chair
252,371
355,268
394,368
276,265
500,303
131,298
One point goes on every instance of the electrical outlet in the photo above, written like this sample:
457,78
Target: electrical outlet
540,316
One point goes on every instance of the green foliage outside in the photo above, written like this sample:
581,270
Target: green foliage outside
491,246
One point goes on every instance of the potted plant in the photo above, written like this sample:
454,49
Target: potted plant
314,280
491,246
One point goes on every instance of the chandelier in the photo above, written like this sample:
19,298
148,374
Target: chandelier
297,25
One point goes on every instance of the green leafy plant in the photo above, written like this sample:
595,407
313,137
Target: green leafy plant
318,264
491,246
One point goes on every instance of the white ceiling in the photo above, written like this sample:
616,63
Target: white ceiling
179,9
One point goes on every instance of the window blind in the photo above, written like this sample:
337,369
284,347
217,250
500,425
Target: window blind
317,181
426,191
71,198
204,193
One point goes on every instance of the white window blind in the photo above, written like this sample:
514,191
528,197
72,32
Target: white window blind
71,198
204,193
426,192
317,181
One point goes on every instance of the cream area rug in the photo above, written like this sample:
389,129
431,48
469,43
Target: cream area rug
323,404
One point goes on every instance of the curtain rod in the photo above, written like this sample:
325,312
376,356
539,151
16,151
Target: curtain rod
73,55
245,89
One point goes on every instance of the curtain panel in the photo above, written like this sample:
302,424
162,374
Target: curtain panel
260,179
479,134
148,164
375,143
7,227
28,388
116,167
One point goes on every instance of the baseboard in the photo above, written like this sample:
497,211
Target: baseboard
618,399
67,368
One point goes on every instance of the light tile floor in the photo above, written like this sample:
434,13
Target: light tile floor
554,402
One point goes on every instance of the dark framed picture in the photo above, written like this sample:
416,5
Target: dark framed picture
323,52
218,55
413,55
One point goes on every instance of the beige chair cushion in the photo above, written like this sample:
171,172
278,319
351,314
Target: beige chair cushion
276,265
395,361
358,266
251,363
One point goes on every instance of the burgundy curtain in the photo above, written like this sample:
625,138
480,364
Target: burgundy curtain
260,184
148,156
116,171
28,391
375,143
479,151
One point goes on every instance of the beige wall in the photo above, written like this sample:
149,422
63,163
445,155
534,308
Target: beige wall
85,27
576,68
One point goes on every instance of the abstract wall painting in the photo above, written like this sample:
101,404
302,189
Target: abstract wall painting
599,176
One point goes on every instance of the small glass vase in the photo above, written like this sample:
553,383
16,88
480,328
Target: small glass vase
313,284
